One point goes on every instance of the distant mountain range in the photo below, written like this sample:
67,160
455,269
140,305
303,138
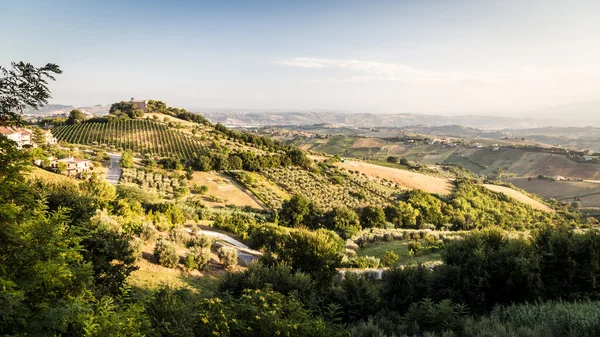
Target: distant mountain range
245,119
60,109
573,111
574,115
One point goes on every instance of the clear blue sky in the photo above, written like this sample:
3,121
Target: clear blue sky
379,56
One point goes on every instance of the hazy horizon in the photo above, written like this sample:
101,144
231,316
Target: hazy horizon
436,57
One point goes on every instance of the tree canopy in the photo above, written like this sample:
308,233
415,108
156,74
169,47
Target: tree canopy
24,85
75,117
125,110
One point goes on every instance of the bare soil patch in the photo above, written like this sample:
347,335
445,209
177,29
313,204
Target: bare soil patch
406,179
224,189
519,197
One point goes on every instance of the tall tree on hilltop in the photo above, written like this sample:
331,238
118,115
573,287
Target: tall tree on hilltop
23,85
75,117
125,110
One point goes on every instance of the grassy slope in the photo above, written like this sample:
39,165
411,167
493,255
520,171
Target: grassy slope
224,187
406,179
519,196
400,248
37,172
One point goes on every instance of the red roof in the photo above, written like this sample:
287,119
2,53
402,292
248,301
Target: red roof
7,131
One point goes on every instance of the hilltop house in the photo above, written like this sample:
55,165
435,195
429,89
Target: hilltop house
74,165
140,104
23,137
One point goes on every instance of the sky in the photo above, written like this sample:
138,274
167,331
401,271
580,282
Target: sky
435,57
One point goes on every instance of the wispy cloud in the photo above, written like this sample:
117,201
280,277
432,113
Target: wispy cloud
379,71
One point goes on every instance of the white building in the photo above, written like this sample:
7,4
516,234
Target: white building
74,165
11,134
24,137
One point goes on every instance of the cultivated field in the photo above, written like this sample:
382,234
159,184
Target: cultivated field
226,191
406,179
519,197
368,142
587,192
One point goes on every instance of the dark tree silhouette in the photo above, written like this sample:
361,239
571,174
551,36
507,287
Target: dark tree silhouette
24,85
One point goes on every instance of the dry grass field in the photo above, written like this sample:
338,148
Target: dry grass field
406,179
368,142
38,173
587,192
227,191
150,275
519,197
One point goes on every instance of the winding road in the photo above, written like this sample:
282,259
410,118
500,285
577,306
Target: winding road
114,169
245,254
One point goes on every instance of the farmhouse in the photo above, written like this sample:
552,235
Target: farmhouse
11,134
74,165
23,137
140,104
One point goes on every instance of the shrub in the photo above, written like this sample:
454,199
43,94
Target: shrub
364,262
389,258
228,256
199,256
202,241
429,316
147,231
165,253
137,245
202,189
372,216
280,278
415,246
189,262
180,236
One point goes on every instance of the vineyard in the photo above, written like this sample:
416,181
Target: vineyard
143,136
330,188
164,184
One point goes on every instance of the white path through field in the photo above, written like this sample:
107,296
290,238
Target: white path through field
114,169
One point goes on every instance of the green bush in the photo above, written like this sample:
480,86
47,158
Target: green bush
280,278
415,246
202,241
228,256
429,316
147,231
201,256
389,258
188,261
180,236
364,262
165,253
